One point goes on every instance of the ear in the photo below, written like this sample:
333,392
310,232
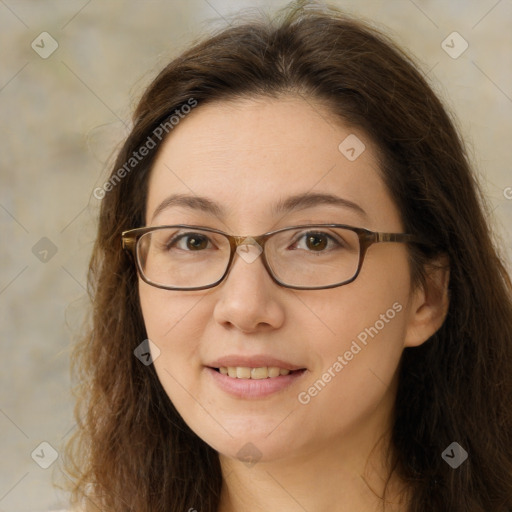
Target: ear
429,304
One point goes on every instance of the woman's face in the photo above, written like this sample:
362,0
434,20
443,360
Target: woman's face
247,156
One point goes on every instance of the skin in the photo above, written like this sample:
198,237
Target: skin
248,154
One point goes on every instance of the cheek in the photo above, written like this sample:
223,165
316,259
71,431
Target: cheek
173,324
367,323
167,312
357,371
365,337
176,325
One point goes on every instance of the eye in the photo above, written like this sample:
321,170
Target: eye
189,242
317,241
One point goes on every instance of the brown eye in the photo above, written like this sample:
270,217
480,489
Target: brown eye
316,242
192,242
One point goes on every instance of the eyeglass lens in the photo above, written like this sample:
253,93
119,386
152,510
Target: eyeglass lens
305,256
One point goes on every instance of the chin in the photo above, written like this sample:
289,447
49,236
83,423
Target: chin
257,446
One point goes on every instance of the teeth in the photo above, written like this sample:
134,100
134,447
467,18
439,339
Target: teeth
244,372
274,371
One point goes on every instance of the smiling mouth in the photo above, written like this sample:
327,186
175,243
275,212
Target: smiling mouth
264,372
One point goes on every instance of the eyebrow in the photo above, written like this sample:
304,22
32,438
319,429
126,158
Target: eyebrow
296,202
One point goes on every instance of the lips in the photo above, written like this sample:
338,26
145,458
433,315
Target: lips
257,386
257,361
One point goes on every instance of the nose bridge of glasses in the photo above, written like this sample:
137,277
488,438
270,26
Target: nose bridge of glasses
240,240
247,247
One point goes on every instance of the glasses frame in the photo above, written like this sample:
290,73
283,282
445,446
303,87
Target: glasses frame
367,238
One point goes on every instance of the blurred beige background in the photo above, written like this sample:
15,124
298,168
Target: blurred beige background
62,116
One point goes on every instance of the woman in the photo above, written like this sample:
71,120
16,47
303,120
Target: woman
351,347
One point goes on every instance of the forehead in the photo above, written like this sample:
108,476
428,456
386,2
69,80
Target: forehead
250,154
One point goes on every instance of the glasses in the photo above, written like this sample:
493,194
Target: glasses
305,257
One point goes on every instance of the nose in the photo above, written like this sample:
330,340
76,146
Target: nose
249,300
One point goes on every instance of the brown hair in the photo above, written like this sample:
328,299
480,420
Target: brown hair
133,451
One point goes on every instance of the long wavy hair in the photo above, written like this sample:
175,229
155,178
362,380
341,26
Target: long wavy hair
133,451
